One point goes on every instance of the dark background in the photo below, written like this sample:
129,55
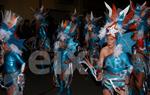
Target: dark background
61,8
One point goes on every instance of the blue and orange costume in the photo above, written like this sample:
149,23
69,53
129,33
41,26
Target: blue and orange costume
13,66
116,69
117,66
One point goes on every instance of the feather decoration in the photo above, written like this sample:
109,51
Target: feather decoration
109,9
10,19
117,50
15,49
126,41
18,42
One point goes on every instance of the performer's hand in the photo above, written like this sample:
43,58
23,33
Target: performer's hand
99,77
67,62
119,91
95,60
88,62
20,77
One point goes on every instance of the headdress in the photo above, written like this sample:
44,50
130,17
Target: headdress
140,17
39,14
115,27
91,22
7,35
64,35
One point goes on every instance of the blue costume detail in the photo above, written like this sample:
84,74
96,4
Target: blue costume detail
126,42
63,63
13,39
60,68
11,59
91,38
42,33
68,54
117,68
43,36
71,29
139,66
18,43
138,63
11,71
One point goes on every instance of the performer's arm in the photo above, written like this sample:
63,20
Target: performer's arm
20,61
128,64
101,58
100,64
23,67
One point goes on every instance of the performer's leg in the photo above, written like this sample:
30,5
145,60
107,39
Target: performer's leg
68,81
61,83
140,80
130,91
57,80
106,92
139,83
11,90
61,88
122,92
16,86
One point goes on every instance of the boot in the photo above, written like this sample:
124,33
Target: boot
61,88
68,91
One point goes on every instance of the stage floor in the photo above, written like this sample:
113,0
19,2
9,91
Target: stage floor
43,85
